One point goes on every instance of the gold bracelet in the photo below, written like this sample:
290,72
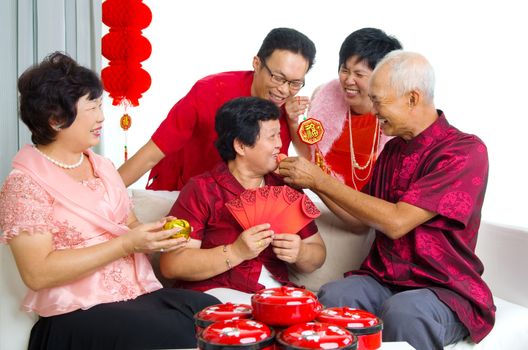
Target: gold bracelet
228,263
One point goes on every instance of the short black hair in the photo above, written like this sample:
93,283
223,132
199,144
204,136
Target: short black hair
290,40
49,92
240,119
368,44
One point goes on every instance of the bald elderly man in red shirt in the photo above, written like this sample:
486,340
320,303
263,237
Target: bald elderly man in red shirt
424,201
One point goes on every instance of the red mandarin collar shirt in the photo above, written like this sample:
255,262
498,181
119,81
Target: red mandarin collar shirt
187,135
202,203
445,171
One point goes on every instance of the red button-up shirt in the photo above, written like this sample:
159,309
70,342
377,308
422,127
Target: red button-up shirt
187,135
444,171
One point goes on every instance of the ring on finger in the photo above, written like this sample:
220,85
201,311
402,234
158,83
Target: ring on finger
259,243
162,250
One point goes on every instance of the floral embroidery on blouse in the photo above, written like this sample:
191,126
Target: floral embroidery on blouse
24,206
67,237
118,277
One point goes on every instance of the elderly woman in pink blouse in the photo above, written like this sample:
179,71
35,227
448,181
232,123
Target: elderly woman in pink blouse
79,248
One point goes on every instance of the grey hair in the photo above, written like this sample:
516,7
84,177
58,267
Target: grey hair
409,71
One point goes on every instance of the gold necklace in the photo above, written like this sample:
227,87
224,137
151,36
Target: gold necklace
373,151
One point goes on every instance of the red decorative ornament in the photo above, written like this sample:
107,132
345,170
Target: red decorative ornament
130,45
125,48
131,14
311,131
125,122
125,82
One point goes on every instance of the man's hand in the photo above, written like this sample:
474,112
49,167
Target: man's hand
300,172
296,106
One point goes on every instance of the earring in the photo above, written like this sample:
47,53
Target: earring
56,127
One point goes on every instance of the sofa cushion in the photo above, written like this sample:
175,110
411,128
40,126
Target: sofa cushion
338,260
510,330
152,205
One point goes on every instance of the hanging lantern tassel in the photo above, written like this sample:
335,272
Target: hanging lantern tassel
126,123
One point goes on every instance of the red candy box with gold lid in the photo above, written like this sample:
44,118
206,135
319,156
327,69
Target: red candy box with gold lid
366,326
285,306
240,334
316,335
221,312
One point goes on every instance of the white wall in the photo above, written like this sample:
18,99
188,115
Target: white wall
478,49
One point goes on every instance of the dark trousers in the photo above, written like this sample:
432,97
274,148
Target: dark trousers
416,316
159,320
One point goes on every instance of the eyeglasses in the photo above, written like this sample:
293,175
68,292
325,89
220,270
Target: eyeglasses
277,79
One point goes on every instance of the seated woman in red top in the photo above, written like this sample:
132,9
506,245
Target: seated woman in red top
220,254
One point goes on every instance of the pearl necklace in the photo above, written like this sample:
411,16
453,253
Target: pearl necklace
373,151
61,164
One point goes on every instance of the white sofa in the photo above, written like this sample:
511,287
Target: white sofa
502,249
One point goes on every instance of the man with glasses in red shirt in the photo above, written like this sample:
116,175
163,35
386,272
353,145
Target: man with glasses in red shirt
183,144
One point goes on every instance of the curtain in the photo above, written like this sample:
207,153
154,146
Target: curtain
31,29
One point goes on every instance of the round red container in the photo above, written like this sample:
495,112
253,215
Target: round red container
221,312
366,326
285,306
240,334
315,335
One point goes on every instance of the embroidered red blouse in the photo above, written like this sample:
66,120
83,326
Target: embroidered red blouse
202,203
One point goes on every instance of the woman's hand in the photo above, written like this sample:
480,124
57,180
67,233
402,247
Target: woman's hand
287,246
252,241
150,237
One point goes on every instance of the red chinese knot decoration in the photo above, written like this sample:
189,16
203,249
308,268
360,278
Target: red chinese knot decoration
125,48
311,131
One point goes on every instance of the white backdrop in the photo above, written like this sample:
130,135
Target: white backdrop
478,49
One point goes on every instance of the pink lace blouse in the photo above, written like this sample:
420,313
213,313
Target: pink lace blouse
26,207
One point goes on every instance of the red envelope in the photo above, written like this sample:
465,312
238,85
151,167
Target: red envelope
289,197
281,201
286,209
262,197
296,216
237,209
248,198
274,194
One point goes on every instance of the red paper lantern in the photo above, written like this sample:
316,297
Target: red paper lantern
126,14
125,45
125,82
125,48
